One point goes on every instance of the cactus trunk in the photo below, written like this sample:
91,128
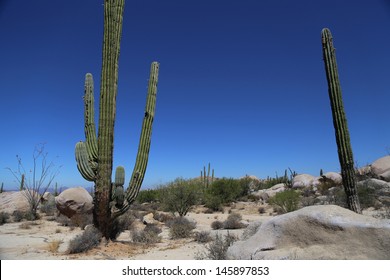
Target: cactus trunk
113,17
340,123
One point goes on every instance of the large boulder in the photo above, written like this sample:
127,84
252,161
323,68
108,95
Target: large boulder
333,177
381,168
303,181
317,232
381,189
15,200
74,201
272,191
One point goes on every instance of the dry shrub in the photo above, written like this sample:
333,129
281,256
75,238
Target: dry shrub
203,237
180,227
4,218
89,239
233,221
217,249
217,225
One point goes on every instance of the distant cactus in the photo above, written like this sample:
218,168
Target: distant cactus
206,179
21,187
340,122
2,188
95,156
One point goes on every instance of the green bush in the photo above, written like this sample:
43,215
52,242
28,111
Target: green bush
223,191
179,196
286,201
150,195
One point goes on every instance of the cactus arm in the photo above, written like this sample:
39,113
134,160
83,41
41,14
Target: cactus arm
146,133
89,116
144,143
340,122
83,163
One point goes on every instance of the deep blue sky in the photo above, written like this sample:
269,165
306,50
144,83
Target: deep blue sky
242,83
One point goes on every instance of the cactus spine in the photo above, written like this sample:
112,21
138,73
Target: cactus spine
340,122
95,156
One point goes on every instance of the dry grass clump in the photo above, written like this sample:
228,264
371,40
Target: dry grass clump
89,239
53,246
217,225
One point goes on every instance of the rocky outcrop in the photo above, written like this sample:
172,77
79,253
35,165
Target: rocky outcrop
317,232
74,201
381,168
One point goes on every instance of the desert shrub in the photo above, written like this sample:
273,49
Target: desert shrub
149,196
226,189
286,201
18,216
233,221
180,227
89,239
64,221
179,196
48,207
217,249
261,210
250,230
81,220
366,197
217,225
203,237
149,235
4,217
214,203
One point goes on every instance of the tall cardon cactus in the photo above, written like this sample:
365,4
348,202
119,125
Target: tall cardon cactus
95,156
340,122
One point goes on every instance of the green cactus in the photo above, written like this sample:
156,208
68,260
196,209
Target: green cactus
206,179
340,122
21,188
94,157
2,188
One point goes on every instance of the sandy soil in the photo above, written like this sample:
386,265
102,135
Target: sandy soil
35,240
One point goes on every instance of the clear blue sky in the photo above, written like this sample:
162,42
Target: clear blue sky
242,83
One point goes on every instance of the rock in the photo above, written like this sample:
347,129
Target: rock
267,193
149,220
381,168
303,181
74,201
333,177
47,197
317,232
381,187
16,200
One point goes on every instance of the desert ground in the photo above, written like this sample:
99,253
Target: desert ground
37,240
